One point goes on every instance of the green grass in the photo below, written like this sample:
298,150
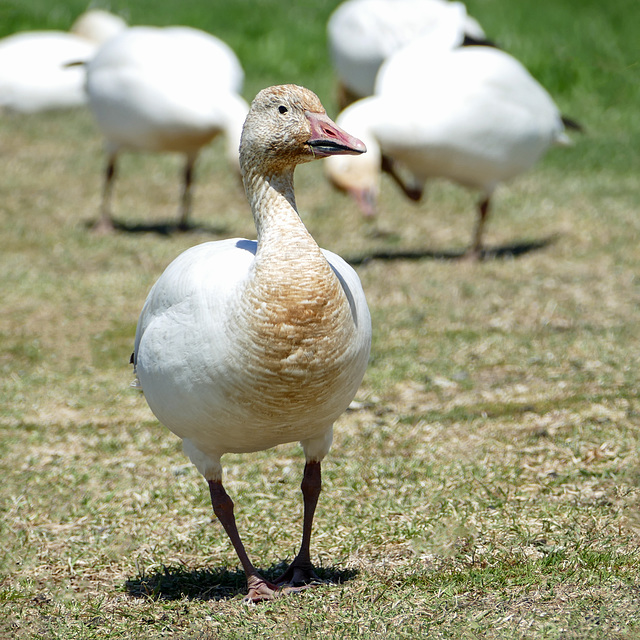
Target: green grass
484,485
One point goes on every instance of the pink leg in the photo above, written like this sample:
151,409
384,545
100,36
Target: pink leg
105,224
475,250
185,204
413,192
300,571
259,588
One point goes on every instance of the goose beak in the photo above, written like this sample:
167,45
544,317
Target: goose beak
328,139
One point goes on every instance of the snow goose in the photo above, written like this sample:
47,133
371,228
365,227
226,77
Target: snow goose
33,72
245,345
477,117
167,89
363,33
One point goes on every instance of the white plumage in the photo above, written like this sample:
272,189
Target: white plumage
476,117
98,25
165,89
33,72
245,345
362,34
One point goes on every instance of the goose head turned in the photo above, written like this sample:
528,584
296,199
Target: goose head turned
286,126
243,345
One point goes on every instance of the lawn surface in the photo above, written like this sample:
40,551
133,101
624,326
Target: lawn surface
485,483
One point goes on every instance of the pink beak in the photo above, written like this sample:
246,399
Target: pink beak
328,139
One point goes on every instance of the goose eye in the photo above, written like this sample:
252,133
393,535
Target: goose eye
282,109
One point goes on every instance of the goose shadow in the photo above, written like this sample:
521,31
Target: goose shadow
502,252
177,582
163,228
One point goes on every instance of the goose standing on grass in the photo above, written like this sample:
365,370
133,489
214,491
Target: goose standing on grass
167,89
476,117
33,72
362,34
245,345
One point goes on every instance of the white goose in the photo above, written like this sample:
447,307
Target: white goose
167,89
477,117
245,345
33,72
362,34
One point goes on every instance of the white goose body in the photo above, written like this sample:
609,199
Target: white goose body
33,72
245,345
483,119
169,89
165,89
237,355
362,34
477,117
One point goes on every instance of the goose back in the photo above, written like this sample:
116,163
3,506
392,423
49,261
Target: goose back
364,33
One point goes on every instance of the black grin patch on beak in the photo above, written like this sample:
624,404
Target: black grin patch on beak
331,147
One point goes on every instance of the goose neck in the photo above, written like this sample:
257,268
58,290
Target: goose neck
273,205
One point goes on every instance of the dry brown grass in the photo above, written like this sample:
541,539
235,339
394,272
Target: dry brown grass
485,484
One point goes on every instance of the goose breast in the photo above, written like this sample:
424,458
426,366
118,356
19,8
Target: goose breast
220,364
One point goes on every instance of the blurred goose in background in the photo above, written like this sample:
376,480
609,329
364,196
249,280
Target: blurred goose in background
476,117
167,89
245,345
364,33
33,72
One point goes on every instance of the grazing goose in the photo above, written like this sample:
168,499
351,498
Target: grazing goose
33,72
477,117
165,89
363,33
245,345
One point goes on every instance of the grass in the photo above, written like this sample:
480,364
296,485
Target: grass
484,485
